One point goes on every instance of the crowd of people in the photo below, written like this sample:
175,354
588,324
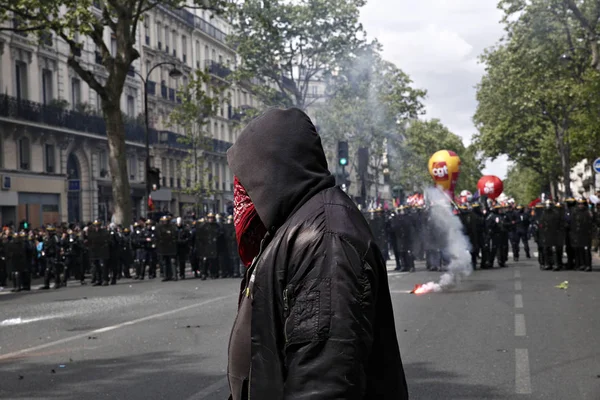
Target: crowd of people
108,252
566,234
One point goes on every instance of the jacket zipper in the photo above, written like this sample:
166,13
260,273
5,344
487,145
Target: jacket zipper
269,233
286,307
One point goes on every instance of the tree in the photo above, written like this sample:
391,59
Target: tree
75,21
524,184
529,102
291,44
199,101
369,101
422,140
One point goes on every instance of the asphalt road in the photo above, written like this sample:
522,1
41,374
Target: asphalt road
501,334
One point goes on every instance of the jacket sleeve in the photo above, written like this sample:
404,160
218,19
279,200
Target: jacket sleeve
328,322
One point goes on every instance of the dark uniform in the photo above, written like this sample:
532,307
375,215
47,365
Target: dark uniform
98,244
205,245
580,235
17,261
475,227
497,235
183,245
52,253
378,225
534,230
402,232
150,255
232,255
126,254
166,246
73,252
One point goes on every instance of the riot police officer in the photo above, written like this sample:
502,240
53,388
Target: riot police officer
151,257
582,228
183,245
98,243
52,251
402,233
232,257
497,232
207,236
166,246
126,254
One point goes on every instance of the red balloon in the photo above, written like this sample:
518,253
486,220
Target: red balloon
490,186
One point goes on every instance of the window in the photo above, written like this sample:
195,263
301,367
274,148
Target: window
132,168
98,103
198,54
47,85
50,158
24,153
147,32
75,93
158,35
21,80
103,163
184,48
113,46
216,134
172,172
206,53
175,43
167,39
131,106
214,55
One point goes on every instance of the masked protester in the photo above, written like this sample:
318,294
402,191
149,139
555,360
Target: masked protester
315,316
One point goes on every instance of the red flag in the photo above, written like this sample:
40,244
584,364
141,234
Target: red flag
150,203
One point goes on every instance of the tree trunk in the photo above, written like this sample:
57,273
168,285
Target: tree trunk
117,161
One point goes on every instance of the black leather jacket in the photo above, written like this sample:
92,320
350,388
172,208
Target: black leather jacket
322,320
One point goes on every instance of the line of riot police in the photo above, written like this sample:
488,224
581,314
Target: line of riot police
109,253
412,234
570,228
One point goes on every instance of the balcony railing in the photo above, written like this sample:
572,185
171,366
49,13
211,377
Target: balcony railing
151,88
29,111
217,69
194,21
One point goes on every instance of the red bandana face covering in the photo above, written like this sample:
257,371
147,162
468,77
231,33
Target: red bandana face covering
249,229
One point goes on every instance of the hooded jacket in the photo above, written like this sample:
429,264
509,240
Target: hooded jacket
322,324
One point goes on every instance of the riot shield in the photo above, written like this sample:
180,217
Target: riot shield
206,240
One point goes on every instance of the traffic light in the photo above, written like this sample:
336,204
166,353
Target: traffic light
153,178
343,153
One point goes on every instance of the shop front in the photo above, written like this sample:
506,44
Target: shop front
39,208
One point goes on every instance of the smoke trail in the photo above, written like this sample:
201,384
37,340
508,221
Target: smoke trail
457,245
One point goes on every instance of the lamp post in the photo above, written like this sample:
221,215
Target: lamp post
174,73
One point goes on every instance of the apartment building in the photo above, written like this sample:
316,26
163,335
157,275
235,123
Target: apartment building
53,148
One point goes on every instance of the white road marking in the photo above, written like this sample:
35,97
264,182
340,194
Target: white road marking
110,328
518,301
211,389
518,286
20,321
517,273
522,376
520,325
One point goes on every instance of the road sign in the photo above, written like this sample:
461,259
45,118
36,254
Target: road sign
597,165
74,185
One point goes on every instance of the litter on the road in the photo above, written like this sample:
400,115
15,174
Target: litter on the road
563,285
61,366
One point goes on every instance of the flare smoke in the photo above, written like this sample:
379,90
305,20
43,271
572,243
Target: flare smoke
457,245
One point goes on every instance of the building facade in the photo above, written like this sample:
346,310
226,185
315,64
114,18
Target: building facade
53,147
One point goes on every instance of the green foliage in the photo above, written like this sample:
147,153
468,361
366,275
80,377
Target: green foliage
289,44
422,140
524,184
199,101
532,106
369,100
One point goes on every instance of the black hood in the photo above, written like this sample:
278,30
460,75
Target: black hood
279,159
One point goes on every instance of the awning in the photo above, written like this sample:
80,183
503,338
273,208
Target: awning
9,198
162,195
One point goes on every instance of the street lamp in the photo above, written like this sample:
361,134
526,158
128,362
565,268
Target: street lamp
173,73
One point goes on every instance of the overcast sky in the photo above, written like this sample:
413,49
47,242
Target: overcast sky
437,42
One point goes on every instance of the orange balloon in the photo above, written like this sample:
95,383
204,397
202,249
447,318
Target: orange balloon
444,168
